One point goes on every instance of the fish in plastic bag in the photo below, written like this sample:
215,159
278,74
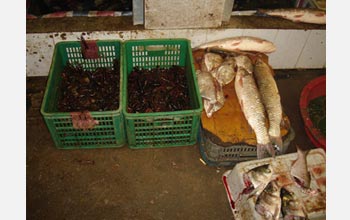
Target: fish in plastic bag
211,92
226,72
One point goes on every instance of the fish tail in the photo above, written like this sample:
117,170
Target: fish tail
265,150
301,152
277,140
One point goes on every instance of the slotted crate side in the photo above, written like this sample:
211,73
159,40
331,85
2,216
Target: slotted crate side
164,129
107,50
108,133
149,54
110,130
217,155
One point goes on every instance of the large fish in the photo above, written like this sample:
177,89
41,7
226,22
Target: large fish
211,92
292,207
299,169
241,43
305,15
271,99
253,110
268,203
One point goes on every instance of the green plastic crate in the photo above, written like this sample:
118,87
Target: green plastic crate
110,130
161,129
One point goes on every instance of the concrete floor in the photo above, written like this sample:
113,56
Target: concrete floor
147,184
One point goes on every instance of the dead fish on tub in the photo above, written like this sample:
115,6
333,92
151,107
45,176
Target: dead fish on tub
300,173
268,203
305,15
292,207
254,111
271,99
299,169
211,92
257,178
241,43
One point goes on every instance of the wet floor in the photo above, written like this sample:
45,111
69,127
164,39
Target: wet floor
120,183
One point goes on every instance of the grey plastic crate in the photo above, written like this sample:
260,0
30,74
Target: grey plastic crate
216,155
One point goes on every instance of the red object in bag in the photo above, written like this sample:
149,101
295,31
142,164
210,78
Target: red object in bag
89,49
83,120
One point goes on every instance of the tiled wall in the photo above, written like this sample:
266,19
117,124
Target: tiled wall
295,48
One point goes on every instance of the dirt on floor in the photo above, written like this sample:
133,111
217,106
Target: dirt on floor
121,183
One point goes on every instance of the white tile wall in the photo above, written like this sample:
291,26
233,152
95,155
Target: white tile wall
295,48
314,52
289,44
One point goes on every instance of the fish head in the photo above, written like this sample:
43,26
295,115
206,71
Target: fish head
266,168
243,61
211,61
272,187
292,207
263,172
286,195
224,74
258,175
